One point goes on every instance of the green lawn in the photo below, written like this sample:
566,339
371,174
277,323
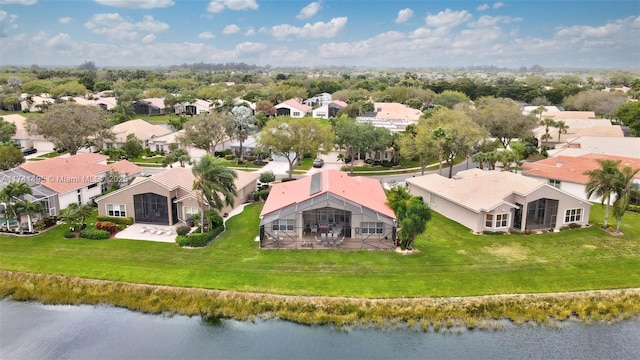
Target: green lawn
450,261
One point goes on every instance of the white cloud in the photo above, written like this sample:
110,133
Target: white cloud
231,29
378,44
448,18
250,32
217,6
115,27
65,20
309,31
137,4
6,19
498,5
250,48
486,21
61,43
149,38
404,15
207,35
482,7
18,2
309,10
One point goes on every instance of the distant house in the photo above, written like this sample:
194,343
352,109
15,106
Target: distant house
500,201
60,181
166,198
150,106
293,109
567,172
580,127
106,103
329,110
327,204
393,116
193,108
142,129
22,137
596,144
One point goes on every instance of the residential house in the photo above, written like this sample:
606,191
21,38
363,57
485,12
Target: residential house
318,100
150,106
193,108
60,181
106,103
393,116
166,198
329,110
596,144
328,205
141,129
577,128
248,146
293,109
500,201
164,143
36,103
25,140
568,172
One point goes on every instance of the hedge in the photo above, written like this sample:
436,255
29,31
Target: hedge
634,208
95,234
116,220
198,239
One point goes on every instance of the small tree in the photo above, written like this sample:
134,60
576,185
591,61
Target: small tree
624,189
10,157
415,222
71,216
132,147
267,177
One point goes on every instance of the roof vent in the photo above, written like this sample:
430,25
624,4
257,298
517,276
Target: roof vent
316,183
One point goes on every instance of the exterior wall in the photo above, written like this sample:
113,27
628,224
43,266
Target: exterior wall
43,146
86,194
576,189
125,197
450,210
565,203
241,196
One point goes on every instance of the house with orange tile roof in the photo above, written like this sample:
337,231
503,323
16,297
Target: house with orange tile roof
327,206
500,201
292,108
73,179
567,172
166,198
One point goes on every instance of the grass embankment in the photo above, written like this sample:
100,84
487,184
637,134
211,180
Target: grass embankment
449,262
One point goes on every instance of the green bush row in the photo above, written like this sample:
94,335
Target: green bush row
94,234
198,239
634,208
116,220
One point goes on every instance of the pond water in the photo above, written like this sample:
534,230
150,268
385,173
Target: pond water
36,331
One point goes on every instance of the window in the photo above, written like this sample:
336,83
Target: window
79,197
488,221
371,228
283,224
295,113
496,221
116,210
92,186
432,199
554,183
189,212
573,215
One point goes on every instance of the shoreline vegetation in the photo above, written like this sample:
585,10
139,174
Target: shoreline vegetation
424,314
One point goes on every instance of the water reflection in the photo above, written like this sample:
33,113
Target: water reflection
35,331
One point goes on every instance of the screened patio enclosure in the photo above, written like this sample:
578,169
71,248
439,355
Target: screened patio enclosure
540,214
152,208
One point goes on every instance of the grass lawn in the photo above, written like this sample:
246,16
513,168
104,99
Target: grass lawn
450,261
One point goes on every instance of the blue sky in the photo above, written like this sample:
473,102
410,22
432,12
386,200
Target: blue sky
374,33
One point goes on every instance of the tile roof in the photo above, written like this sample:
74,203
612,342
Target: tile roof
21,127
126,167
64,174
142,129
294,104
358,189
476,189
571,169
94,158
396,111
617,146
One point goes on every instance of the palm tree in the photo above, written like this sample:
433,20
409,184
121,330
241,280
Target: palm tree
70,215
625,186
30,209
84,211
441,137
562,128
546,122
398,199
11,195
603,182
241,124
214,183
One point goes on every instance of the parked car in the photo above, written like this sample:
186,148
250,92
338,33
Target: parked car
29,151
318,163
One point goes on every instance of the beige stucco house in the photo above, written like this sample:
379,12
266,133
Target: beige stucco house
141,129
166,198
500,201
328,205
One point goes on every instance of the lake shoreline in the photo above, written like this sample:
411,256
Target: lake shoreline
427,314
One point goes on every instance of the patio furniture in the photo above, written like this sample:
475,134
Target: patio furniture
314,228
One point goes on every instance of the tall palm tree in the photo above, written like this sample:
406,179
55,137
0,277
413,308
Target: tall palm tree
70,215
214,183
562,128
603,182
441,137
30,209
12,195
398,200
623,193
242,123
547,122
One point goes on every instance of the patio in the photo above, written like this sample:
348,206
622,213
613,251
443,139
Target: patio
287,241
148,232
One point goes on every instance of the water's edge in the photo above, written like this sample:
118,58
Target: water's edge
481,312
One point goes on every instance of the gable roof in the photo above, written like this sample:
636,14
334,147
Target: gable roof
292,103
617,146
396,111
571,169
64,174
142,129
20,122
125,167
476,189
361,190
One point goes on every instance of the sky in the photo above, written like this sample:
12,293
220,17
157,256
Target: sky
362,33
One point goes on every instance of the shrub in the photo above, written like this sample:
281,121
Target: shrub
107,226
634,208
182,240
489,232
574,226
121,226
49,221
515,231
229,157
563,228
40,225
287,179
182,230
198,239
69,235
267,177
116,220
94,234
